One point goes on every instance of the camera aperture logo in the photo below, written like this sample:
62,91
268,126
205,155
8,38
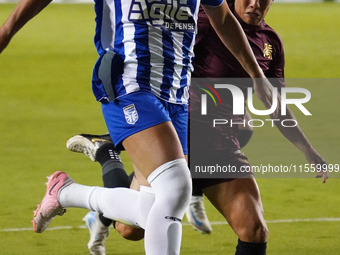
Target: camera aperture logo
204,98
238,105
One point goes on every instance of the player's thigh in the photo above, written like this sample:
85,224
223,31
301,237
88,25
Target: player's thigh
142,124
153,147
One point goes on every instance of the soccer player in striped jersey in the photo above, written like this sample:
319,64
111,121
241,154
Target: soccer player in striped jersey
214,60
141,79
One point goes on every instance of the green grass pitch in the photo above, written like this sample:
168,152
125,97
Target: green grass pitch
45,98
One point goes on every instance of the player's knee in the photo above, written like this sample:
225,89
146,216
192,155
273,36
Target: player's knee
130,233
180,190
172,186
256,232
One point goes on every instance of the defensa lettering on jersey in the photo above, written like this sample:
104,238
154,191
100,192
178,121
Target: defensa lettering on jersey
170,14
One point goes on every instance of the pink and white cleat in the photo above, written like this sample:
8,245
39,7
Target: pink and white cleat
49,206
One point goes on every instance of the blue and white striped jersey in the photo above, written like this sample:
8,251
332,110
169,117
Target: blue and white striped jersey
152,42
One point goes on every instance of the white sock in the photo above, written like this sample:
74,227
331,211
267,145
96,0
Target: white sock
145,202
120,204
171,184
75,195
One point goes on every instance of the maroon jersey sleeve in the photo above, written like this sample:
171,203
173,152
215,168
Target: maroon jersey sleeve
213,59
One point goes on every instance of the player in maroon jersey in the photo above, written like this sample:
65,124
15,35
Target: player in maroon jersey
213,59
238,199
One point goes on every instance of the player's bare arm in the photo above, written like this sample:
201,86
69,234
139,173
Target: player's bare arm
23,12
232,35
296,136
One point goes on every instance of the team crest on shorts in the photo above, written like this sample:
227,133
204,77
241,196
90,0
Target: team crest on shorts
131,114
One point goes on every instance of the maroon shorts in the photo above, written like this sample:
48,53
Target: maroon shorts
238,165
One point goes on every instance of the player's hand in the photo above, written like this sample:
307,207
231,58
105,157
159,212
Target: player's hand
323,171
314,158
264,90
